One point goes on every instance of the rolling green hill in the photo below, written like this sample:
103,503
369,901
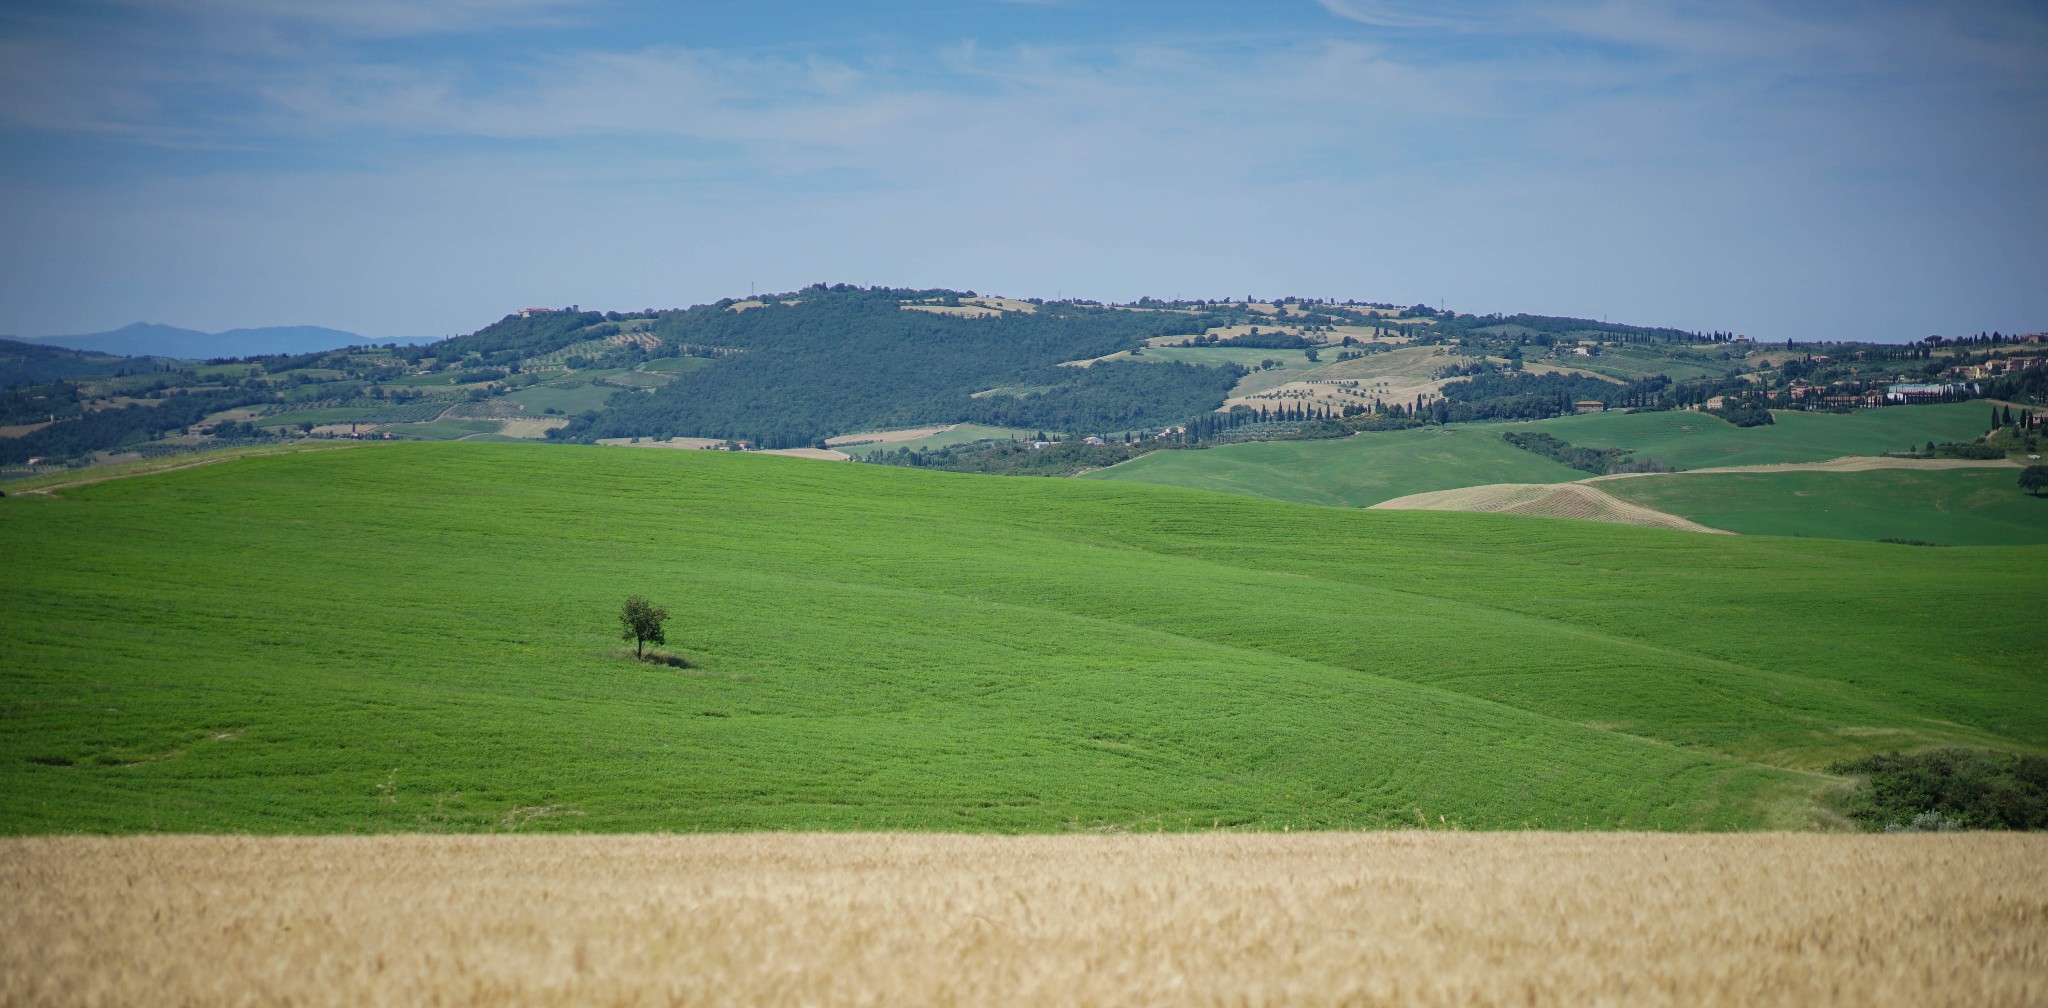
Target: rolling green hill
421,637
1688,440
1349,472
1951,507
1369,468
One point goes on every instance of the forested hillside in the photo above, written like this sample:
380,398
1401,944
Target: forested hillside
26,363
829,360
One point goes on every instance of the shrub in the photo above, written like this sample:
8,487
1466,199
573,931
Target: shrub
1975,789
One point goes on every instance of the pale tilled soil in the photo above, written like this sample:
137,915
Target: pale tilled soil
1554,500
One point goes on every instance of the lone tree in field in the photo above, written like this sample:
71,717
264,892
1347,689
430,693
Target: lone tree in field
640,622
2034,479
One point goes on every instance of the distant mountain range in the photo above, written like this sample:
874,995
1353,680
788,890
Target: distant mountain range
148,339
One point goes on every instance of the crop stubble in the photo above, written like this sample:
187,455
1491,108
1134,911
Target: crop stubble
1322,918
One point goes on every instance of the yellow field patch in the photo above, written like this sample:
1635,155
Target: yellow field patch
822,454
1541,368
957,311
888,436
1002,304
677,442
1394,377
1551,500
532,428
346,428
1415,918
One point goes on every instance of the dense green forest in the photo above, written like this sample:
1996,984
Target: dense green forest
1519,395
25,363
830,360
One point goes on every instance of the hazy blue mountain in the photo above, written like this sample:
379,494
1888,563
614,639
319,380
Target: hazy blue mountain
148,339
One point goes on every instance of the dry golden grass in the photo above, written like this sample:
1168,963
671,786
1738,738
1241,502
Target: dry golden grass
820,454
888,436
532,428
959,310
1209,918
674,442
1002,304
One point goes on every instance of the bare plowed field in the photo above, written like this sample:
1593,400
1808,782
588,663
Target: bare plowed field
1553,500
1421,918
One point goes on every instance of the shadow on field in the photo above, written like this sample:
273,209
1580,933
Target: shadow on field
653,657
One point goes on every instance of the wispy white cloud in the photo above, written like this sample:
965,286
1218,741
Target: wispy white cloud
1381,14
1675,158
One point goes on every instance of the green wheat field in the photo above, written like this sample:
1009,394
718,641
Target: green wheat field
407,637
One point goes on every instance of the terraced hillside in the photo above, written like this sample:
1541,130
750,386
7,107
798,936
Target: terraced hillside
420,636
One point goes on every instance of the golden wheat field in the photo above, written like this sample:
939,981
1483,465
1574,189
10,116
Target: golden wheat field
1215,918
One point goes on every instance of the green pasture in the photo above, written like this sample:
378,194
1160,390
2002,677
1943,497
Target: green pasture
416,636
430,380
1357,471
445,430
1952,507
1634,362
1379,466
677,365
1688,440
570,395
961,434
329,415
1217,356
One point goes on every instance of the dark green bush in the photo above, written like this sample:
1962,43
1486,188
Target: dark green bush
1978,788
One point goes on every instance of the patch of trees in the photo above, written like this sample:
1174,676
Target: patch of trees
1964,788
2029,386
1556,326
1010,458
1519,395
1116,395
1966,450
37,403
1743,413
1266,341
1598,461
521,337
114,428
843,358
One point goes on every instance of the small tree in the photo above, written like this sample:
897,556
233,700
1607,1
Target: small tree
640,622
2034,479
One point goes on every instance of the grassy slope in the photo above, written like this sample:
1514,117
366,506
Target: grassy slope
1955,507
444,430
1695,441
1349,472
961,434
414,636
1374,467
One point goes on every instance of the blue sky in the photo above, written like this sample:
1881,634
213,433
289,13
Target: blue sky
1818,171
